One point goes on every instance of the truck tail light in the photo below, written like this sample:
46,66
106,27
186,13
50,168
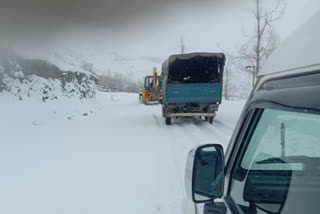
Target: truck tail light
214,105
172,106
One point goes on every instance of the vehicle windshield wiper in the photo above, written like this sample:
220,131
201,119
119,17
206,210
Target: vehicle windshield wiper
290,159
271,160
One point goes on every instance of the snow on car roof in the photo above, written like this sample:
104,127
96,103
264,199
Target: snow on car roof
299,52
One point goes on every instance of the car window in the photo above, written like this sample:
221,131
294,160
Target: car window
280,167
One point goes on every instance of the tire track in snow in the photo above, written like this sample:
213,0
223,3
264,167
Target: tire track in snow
176,199
157,120
217,133
194,132
176,140
178,171
222,124
191,133
173,135
183,132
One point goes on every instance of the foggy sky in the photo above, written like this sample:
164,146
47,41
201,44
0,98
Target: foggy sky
47,19
149,28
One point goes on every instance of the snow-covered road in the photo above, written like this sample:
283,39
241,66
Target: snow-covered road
107,155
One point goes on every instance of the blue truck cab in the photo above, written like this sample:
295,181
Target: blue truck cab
192,85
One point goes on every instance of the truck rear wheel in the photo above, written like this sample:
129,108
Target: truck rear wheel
210,119
168,120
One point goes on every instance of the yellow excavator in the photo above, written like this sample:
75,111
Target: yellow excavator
151,92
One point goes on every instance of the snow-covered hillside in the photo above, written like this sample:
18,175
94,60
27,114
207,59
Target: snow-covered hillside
109,154
99,63
110,71
64,59
44,79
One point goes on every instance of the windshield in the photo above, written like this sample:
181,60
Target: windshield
279,171
284,139
148,82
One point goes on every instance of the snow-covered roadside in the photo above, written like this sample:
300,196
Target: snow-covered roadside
110,154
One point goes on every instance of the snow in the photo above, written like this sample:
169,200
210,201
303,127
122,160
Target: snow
64,59
136,67
96,63
48,89
110,154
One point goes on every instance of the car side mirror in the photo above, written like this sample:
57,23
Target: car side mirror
204,176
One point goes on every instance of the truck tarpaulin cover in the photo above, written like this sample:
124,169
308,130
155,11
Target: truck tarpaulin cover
195,68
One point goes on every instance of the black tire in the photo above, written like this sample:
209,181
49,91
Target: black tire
210,120
168,120
206,118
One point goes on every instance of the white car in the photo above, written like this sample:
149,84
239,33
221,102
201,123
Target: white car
272,164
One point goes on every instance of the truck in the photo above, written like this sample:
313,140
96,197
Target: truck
271,164
192,85
151,92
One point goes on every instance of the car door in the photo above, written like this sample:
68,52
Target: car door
274,164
